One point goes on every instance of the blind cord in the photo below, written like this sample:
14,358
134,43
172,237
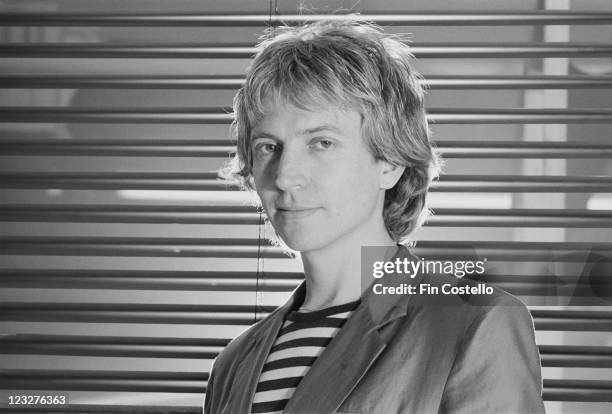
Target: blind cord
259,264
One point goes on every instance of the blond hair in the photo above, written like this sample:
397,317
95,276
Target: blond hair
352,65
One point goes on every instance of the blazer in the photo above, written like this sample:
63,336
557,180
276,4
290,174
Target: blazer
400,354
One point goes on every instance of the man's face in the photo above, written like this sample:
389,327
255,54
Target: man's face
315,176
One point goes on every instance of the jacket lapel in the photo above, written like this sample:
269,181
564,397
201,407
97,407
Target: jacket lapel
347,358
254,356
339,368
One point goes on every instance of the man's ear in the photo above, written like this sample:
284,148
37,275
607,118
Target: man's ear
390,174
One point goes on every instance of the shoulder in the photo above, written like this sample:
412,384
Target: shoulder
496,364
239,345
475,305
486,324
233,352
227,366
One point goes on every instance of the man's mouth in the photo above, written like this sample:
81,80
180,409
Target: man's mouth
296,212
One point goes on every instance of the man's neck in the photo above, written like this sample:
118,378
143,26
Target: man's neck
333,274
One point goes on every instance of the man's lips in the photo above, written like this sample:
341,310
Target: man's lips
299,212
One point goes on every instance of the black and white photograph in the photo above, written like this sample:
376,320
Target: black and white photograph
289,206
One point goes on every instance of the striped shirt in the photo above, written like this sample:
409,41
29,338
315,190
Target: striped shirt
301,339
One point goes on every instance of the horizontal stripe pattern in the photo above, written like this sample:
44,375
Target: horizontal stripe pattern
300,341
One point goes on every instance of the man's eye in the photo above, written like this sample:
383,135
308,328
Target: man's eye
266,148
322,143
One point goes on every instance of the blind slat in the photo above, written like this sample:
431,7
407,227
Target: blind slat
82,380
240,215
223,148
573,390
552,356
556,320
111,408
435,82
253,242
223,115
247,51
577,390
208,181
447,18
522,285
245,248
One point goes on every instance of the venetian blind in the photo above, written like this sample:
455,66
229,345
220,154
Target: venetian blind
126,266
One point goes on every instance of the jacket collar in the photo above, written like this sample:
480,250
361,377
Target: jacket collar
385,308
338,370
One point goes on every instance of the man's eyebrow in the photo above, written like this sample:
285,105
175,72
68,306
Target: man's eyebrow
262,134
308,131
325,127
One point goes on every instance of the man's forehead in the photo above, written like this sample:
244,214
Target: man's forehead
325,116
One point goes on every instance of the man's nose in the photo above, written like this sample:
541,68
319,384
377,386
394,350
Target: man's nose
290,170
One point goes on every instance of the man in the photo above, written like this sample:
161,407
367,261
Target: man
332,134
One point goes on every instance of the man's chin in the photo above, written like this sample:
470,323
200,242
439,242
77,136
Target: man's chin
302,244
295,240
